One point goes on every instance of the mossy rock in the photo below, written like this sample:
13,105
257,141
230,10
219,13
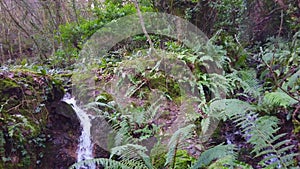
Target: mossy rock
166,85
25,96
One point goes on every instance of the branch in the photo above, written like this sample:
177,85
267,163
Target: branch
281,23
22,28
143,23
277,84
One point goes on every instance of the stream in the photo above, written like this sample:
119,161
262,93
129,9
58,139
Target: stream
85,146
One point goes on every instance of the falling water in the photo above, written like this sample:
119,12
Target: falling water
85,147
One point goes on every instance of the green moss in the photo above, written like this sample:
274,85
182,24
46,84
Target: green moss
166,85
178,100
296,127
7,84
23,115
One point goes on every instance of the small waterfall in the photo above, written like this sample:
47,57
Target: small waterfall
85,147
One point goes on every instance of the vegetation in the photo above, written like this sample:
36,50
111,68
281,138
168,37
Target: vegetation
245,114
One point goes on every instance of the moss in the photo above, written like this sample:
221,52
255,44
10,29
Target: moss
166,85
178,100
23,114
6,88
296,127
8,84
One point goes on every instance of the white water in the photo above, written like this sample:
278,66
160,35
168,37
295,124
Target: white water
85,147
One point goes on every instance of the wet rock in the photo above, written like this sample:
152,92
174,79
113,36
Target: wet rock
64,130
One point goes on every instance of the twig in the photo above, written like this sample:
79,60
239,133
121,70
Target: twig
295,113
288,74
275,79
281,23
21,27
143,23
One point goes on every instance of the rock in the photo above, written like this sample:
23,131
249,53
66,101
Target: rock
66,110
64,128
102,133
24,109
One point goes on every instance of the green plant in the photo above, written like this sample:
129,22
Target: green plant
214,153
175,143
73,35
230,14
258,131
23,114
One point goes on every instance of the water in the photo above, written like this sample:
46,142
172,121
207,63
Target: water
85,147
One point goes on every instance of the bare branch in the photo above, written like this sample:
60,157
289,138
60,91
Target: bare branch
143,23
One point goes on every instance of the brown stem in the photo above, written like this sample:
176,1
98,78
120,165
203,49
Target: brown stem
275,79
281,23
143,23
295,113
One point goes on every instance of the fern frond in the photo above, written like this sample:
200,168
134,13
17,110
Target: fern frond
229,108
258,131
122,136
228,162
219,85
247,81
293,82
98,104
266,143
132,151
111,164
176,140
278,98
215,153
135,164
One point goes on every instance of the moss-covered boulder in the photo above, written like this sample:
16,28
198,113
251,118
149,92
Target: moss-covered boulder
24,100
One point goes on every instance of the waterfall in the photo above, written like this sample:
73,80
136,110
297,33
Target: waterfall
85,147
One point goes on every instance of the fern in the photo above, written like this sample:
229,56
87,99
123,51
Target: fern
275,99
258,131
176,141
215,153
133,157
99,104
229,108
247,81
227,163
111,164
132,151
219,85
122,136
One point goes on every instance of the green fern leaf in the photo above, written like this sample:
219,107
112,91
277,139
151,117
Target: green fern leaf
107,163
214,153
258,131
178,137
278,99
132,151
247,81
293,82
